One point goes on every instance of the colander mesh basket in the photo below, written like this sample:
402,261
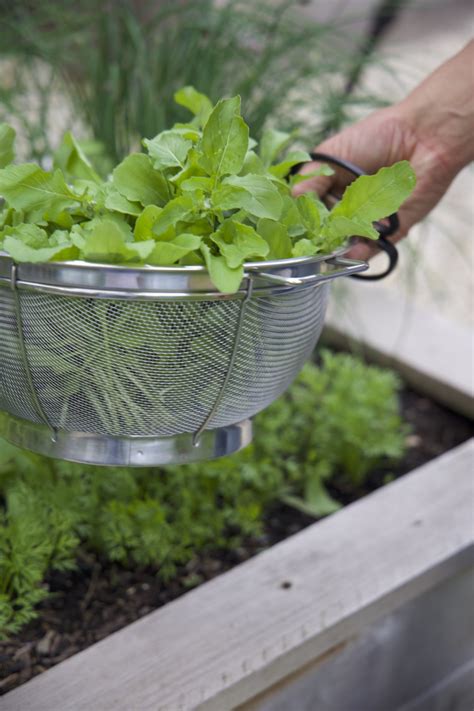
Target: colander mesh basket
152,369
145,365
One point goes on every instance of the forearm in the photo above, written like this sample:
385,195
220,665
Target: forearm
440,111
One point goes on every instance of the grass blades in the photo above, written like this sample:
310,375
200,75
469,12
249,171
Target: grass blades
121,63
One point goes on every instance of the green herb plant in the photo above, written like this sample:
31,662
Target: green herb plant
339,422
336,423
203,193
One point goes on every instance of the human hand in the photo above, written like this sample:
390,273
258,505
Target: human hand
431,128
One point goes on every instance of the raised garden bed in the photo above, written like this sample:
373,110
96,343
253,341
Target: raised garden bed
270,621
100,598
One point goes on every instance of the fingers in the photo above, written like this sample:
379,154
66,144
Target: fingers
363,251
366,249
319,185
338,146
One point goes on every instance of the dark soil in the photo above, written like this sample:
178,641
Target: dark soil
99,597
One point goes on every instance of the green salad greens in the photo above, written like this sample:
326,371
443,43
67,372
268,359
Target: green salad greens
204,193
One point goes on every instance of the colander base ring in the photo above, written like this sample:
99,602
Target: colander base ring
102,450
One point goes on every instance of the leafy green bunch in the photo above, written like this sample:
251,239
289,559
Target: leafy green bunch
336,423
204,194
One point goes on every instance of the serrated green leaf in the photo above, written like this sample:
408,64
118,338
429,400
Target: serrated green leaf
281,170
106,244
272,144
137,180
197,184
312,212
338,227
298,178
7,144
27,187
238,243
194,101
118,202
71,159
179,209
304,248
144,224
276,236
254,193
253,164
225,139
29,243
167,253
168,149
222,276
372,197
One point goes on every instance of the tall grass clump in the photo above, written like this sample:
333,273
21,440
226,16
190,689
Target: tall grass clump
119,63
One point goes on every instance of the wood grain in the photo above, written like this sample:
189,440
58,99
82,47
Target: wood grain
234,637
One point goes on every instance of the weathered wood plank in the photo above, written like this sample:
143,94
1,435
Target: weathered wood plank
418,658
433,354
232,638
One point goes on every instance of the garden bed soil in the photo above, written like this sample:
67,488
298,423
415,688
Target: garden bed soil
99,598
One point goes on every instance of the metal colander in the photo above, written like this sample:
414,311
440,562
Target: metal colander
140,366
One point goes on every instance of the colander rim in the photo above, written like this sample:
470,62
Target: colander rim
117,280
261,265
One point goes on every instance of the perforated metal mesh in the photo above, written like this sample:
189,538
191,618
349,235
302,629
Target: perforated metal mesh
279,335
155,368
14,389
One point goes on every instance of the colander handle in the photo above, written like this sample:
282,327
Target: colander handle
384,229
341,267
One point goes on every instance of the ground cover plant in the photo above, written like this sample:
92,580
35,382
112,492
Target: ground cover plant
339,420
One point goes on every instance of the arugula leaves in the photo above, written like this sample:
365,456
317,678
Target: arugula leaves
195,102
137,180
28,188
225,139
71,159
203,193
168,150
256,194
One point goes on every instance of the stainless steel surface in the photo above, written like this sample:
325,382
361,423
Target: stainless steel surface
166,355
23,352
343,267
87,280
231,366
90,448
